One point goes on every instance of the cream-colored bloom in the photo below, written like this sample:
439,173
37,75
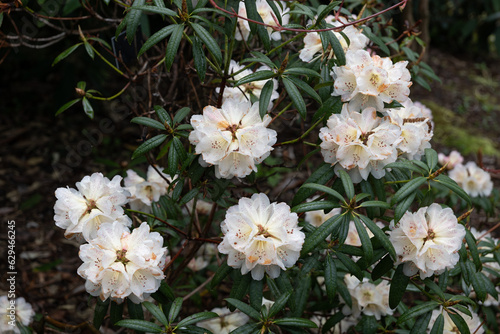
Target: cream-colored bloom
369,81
121,264
474,322
143,192
428,240
361,143
472,179
454,159
226,322
233,138
266,13
97,200
318,217
260,236
12,310
367,298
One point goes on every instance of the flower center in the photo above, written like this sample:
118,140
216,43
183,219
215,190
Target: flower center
430,235
263,232
90,206
364,136
120,256
232,128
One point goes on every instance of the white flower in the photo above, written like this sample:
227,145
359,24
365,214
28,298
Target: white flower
473,323
266,13
144,192
454,159
242,93
261,236
369,81
353,235
121,264
428,240
416,130
361,143
367,298
12,310
318,217
97,200
203,257
313,44
226,322
471,178
233,138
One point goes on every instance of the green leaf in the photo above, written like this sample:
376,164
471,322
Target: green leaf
408,188
173,161
434,287
347,183
148,145
330,277
148,122
245,308
366,243
200,62
320,233
398,286
306,88
376,204
438,325
406,165
295,322
461,324
157,37
255,293
209,41
351,266
100,311
337,47
155,9
140,325
87,108
181,114
313,206
135,310
403,206
173,45
279,304
175,308
321,176
256,76
197,317
382,267
115,312
295,96
265,97
156,312
133,18
471,242
300,294
66,53
189,196
222,271
432,158
417,310
261,31
421,324
89,49
250,328
302,71
325,189
453,186
163,115
377,40
66,106
331,322
379,235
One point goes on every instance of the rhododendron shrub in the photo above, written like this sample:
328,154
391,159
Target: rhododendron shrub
293,186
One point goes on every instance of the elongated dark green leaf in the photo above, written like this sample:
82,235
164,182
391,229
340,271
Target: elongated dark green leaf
408,188
175,308
417,310
87,108
148,145
330,278
155,9
325,189
89,49
221,273
435,288
200,62
173,45
347,183
279,304
438,325
379,235
245,308
295,322
115,312
209,41
320,234
471,242
265,97
173,161
398,286
295,96
189,196
256,76
403,206
302,71
260,30
255,292
197,317
377,40
300,295
156,312
181,114
322,175
453,186
306,88
406,165
250,328
331,322
337,47
460,323
133,18
382,268
148,122
366,243
140,325
313,206
432,158
156,38
66,53
376,204
421,324
351,266
66,106
100,311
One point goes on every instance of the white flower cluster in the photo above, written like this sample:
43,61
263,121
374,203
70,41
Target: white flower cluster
143,192
121,264
12,310
233,138
472,179
313,45
243,92
474,323
226,322
452,160
427,241
369,81
266,13
97,200
260,236
361,143
367,298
